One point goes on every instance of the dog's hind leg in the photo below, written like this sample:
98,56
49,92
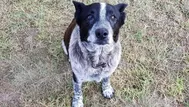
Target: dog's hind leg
77,100
107,90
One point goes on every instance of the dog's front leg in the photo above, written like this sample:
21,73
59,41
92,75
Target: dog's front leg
107,90
77,100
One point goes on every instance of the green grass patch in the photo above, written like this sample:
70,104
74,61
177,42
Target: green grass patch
5,46
139,87
177,88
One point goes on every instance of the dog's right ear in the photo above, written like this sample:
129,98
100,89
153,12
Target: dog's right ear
78,7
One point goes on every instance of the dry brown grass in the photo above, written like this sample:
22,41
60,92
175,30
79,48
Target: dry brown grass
154,71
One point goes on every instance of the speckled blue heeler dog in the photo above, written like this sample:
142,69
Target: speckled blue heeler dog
92,44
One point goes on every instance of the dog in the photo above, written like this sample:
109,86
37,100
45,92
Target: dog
92,44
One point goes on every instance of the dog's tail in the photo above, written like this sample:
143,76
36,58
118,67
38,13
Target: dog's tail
67,36
64,47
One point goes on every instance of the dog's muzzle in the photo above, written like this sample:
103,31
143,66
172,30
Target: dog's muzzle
102,36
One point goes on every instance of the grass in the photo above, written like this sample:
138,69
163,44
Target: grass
154,70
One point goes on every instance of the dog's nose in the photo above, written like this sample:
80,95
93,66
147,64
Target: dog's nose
101,33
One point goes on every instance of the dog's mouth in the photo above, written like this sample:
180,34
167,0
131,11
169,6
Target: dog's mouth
98,42
101,42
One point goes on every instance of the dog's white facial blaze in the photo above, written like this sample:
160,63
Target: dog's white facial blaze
102,23
102,11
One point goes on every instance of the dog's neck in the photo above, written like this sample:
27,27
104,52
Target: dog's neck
96,54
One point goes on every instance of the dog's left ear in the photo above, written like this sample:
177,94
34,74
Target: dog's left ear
78,7
121,7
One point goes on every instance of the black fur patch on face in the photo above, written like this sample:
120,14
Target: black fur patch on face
86,16
116,16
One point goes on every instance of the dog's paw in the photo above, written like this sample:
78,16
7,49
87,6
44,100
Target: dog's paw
108,92
77,102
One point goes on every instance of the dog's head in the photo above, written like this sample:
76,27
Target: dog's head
99,23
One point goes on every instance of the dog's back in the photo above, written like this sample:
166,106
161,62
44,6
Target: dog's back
67,36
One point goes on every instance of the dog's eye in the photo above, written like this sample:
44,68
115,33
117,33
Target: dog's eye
90,17
113,17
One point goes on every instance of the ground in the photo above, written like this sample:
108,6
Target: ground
153,72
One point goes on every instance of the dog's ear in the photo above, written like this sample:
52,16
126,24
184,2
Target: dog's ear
78,7
121,7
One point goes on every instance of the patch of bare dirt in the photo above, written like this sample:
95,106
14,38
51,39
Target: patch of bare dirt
9,97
